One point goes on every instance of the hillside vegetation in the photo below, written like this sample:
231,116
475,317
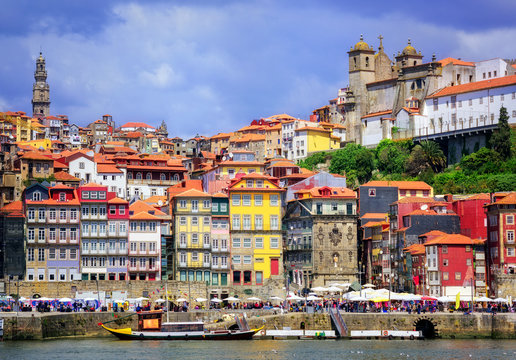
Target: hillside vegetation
491,168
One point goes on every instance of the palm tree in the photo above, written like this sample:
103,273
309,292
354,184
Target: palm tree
434,155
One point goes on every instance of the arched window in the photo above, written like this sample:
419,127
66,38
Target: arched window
163,177
355,61
149,176
138,176
130,175
415,63
176,177
367,61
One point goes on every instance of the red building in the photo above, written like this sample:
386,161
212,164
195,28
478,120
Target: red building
117,237
501,227
473,219
450,265
417,254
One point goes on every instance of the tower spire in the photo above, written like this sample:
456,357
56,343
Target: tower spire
40,89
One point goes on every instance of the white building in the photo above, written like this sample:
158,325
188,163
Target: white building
82,166
112,177
288,129
133,126
492,68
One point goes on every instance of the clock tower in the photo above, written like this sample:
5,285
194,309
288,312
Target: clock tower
40,90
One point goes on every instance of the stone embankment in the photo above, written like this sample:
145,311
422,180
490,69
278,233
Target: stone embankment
31,326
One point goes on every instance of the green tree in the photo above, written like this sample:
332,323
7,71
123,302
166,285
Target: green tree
501,138
484,161
353,157
416,162
434,155
313,160
391,157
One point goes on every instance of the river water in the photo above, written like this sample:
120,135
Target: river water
258,349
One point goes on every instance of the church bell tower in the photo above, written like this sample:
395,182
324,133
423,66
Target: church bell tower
40,90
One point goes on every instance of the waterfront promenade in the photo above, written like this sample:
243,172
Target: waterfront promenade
37,326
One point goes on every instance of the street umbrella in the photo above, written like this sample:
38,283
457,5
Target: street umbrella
253,298
313,298
181,300
355,286
65,300
334,289
232,298
319,289
161,301
294,298
275,298
500,300
201,299
369,286
483,299
215,300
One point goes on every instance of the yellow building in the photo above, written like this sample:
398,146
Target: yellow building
273,143
309,139
192,234
219,143
37,144
255,215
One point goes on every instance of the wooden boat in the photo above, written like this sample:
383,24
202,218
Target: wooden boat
150,327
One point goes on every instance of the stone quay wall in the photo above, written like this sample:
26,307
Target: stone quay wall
29,326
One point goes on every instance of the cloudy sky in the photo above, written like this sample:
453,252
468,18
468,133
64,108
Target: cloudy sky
213,66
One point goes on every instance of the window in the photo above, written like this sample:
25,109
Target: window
85,211
258,222
93,194
445,262
182,220
30,254
236,277
112,210
195,205
52,214
195,256
62,254
81,165
182,204
446,275
206,204
102,211
509,219
259,183
247,222
274,200
41,234
510,236
259,277
510,251
458,275
274,222
206,240
236,259
195,221
195,238
249,183
62,235
468,248
248,243
334,206
73,214
41,254
274,243
445,249
31,234
132,226
236,242
246,200
258,243
73,254
223,207
152,226
206,221
480,100
143,226
214,207
468,262
258,200
52,234
236,222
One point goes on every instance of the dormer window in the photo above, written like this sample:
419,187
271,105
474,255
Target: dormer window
36,196
62,196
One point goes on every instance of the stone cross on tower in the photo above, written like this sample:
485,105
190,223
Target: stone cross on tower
380,48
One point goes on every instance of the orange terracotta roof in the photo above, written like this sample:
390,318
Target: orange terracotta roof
415,249
283,164
450,239
117,200
507,200
132,134
222,136
379,113
402,185
13,206
35,155
60,165
249,137
240,163
141,206
375,223
220,195
144,216
475,86
107,168
423,212
61,187
92,184
450,60
335,192
64,176
311,128
482,196
193,193
137,125
374,216
433,233
415,200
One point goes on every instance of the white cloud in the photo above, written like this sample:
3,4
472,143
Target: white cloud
161,77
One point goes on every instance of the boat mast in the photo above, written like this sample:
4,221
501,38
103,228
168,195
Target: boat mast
166,296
